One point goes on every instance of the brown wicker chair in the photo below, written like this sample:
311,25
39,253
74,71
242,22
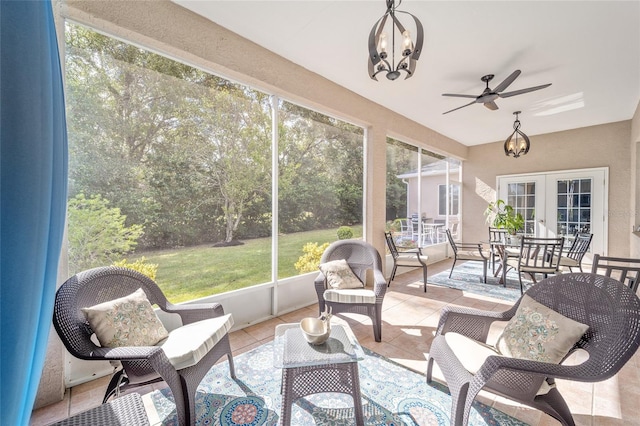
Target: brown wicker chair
608,307
361,256
140,364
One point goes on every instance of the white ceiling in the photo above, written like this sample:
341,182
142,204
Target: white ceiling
588,50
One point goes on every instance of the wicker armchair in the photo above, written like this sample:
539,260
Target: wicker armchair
361,256
608,307
140,364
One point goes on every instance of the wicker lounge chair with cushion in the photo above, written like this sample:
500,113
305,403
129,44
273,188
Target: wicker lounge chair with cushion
411,258
341,284
116,304
467,251
625,270
544,326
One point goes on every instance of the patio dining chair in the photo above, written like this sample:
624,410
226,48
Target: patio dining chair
344,289
537,256
575,311
579,247
181,358
625,270
412,258
467,252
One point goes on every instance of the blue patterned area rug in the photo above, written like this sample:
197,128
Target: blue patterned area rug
391,395
467,276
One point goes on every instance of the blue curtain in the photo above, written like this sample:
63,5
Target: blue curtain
33,161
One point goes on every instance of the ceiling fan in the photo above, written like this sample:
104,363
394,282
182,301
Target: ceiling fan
488,96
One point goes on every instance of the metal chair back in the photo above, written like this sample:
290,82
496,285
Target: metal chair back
625,270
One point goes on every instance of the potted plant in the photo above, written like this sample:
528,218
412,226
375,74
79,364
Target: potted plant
502,215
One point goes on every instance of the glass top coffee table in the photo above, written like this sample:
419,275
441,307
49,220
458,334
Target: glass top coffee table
309,369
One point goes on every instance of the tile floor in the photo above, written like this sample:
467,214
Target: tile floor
410,318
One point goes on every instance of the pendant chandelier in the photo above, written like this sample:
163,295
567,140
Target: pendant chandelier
517,143
382,46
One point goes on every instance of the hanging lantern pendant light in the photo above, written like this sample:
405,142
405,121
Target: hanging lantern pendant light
380,60
517,143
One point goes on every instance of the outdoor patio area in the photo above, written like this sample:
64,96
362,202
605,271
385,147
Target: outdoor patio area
409,321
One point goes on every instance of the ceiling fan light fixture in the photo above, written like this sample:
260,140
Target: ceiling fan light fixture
382,48
517,143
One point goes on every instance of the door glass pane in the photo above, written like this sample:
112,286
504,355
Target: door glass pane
574,206
521,196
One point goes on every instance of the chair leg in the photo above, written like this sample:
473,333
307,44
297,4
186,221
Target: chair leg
376,319
484,272
113,388
452,266
554,404
393,274
424,276
521,285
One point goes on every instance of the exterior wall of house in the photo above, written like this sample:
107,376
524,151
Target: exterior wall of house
605,145
430,197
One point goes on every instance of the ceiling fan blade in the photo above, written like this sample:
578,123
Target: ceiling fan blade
459,96
521,91
455,109
491,105
507,81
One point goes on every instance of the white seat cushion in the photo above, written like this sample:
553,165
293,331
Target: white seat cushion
350,296
472,354
188,344
471,255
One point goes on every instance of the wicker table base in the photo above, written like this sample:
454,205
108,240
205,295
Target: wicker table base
126,410
333,369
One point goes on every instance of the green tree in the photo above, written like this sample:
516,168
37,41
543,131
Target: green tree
97,233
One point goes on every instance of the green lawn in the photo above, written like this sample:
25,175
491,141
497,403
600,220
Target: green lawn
193,272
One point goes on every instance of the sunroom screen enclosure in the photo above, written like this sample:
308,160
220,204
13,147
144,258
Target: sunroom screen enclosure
174,170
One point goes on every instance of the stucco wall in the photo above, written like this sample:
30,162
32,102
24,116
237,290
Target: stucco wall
605,145
634,247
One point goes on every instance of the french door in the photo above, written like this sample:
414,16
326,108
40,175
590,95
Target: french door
561,203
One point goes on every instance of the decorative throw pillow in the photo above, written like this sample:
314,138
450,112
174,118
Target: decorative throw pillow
127,321
539,333
339,275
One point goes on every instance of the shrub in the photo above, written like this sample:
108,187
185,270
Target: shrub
345,232
97,233
148,269
310,259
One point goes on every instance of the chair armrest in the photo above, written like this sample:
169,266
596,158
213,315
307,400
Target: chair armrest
379,283
471,247
416,250
125,353
493,364
196,312
473,323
